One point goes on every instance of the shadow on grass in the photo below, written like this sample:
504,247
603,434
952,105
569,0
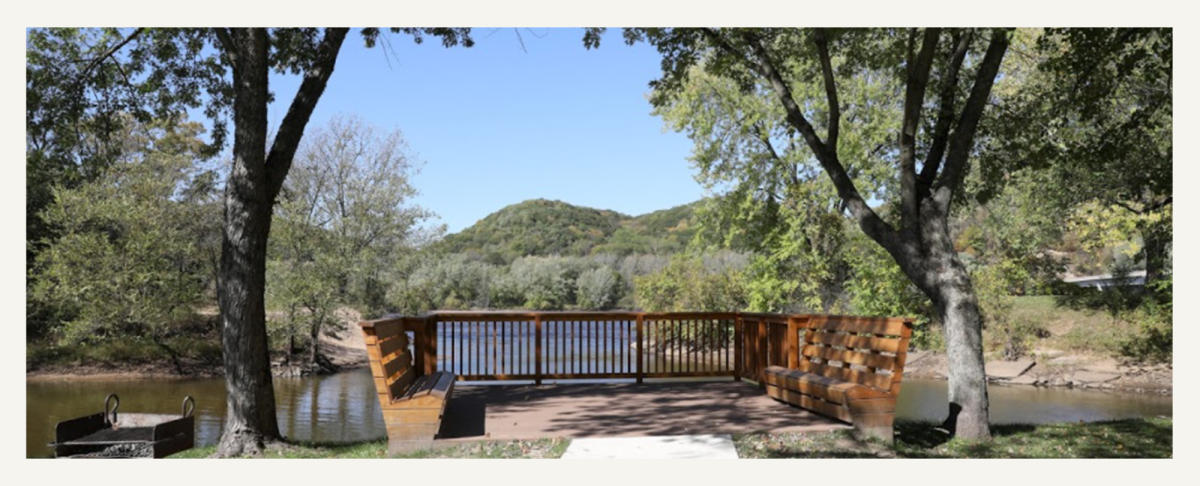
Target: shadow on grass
1130,438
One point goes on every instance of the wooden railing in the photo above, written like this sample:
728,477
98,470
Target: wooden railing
531,345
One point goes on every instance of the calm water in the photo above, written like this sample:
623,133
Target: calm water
343,407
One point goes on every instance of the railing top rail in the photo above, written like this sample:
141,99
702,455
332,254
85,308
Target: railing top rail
616,314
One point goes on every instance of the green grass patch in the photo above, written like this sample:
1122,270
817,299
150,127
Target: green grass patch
1132,438
509,449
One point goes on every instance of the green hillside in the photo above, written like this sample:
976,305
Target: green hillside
544,227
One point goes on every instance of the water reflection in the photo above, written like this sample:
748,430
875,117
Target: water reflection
335,408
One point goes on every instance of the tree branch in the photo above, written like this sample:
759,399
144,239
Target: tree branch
225,38
914,98
933,159
867,219
109,53
968,121
283,149
831,97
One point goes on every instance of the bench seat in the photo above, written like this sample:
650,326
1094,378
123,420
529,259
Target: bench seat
412,403
848,369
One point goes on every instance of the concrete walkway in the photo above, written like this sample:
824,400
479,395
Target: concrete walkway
662,447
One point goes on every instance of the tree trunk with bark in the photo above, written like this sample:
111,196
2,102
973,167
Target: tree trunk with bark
250,192
921,245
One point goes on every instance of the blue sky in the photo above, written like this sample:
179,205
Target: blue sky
495,125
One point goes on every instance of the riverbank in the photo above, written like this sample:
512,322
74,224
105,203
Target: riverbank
340,350
1132,438
1053,368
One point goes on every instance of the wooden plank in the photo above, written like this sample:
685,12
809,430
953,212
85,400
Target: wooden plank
402,431
870,325
412,415
389,346
825,388
804,401
442,384
387,329
872,405
401,362
875,380
848,356
398,387
886,345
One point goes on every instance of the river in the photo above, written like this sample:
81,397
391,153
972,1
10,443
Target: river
342,407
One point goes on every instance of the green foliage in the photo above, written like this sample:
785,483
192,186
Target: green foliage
535,227
540,283
1010,334
695,283
1096,115
136,251
343,218
455,281
877,287
598,289
546,228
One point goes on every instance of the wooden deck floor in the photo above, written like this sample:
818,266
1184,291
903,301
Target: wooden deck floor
620,410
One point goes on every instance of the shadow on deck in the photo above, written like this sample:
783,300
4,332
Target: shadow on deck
625,409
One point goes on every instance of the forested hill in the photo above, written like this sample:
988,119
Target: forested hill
544,227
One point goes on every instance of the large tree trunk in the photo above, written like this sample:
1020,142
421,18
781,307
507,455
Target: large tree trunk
254,181
250,401
962,324
944,279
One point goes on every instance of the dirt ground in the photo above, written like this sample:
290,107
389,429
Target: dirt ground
1049,367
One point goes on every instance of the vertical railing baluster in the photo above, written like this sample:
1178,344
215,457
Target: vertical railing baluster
537,354
640,347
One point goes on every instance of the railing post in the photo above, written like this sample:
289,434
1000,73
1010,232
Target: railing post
640,346
793,343
431,348
737,348
537,349
763,352
418,343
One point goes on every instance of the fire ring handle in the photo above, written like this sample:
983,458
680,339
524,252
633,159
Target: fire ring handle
110,413
189,406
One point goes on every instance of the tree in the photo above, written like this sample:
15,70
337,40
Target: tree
342,218
920,242
132,259
228,68
1095,114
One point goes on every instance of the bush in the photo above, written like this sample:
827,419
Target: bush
598,289
694,283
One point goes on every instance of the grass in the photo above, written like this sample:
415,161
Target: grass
1080,330
1132,438
509,449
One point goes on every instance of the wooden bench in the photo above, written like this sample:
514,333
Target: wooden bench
848,368
413,403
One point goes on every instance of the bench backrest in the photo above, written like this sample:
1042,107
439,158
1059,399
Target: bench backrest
865,350
390,358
